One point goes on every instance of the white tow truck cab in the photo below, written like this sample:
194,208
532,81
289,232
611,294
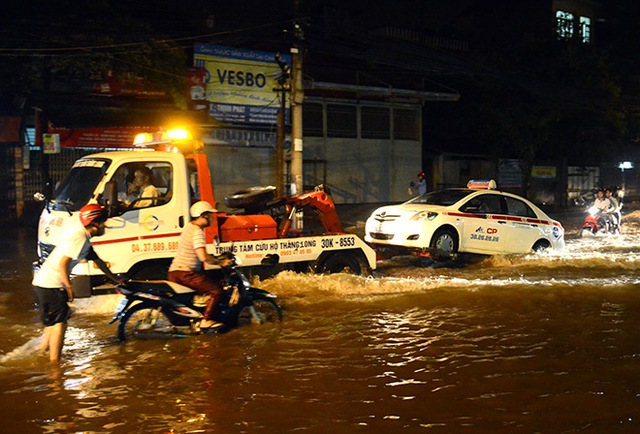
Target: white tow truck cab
142,234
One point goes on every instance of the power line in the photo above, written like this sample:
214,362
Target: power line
39,51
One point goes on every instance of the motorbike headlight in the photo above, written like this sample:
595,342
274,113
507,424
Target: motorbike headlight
593,210
245,281
424,215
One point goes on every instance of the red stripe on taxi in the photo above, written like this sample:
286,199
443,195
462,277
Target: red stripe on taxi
500,217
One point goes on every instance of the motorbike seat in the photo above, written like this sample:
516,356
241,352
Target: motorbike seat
159,287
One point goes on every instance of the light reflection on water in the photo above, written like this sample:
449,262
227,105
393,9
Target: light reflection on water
532,343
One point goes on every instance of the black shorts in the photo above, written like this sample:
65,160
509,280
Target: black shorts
53,305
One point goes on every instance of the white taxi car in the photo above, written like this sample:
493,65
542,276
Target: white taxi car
477,219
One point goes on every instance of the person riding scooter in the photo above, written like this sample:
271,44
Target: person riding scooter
187,266
614,210
603,205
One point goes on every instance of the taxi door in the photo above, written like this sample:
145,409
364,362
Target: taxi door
523,224
481,233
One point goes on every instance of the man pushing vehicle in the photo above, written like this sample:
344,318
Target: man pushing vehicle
51,282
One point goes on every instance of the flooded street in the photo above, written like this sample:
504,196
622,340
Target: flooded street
545,343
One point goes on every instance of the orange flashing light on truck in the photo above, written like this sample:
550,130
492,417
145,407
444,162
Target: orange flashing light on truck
142,233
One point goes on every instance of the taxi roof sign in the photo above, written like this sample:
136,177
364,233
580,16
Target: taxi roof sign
482,184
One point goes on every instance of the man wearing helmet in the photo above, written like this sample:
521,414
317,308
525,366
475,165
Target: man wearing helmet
187,265
418,188
51,282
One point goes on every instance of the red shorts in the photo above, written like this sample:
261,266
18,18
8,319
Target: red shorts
196,281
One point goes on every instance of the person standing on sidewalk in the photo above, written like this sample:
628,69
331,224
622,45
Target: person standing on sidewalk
418,188
51,282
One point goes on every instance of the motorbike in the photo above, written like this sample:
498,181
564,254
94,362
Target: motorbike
160,308
598,222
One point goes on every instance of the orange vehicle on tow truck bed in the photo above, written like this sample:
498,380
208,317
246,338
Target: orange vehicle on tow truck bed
140,241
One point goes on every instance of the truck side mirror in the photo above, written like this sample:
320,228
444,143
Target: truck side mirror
110,197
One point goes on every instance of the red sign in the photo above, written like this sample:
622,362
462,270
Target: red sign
9,129
125,85
114,137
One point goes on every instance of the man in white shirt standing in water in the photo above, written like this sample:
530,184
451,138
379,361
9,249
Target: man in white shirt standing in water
187,266
51,282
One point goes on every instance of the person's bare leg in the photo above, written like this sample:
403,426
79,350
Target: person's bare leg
43,346
56,341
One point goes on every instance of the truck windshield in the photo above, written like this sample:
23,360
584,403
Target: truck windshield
78,186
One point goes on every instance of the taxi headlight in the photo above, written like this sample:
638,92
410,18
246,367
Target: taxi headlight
424,215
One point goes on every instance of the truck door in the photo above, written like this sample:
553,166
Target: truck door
148,227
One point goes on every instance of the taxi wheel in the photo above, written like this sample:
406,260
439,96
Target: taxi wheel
444,244
541,246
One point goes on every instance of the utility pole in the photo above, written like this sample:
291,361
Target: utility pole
284,86
297,98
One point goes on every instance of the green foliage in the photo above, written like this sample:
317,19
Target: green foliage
544,99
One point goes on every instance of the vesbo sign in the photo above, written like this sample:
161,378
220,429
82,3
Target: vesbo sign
239,83
241,78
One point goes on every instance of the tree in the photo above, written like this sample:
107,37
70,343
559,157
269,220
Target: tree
75,42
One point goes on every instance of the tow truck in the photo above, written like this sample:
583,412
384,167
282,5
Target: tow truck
140,241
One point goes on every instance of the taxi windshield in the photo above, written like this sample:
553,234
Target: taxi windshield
441,197
79,185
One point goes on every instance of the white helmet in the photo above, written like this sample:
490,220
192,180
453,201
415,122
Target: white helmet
198,208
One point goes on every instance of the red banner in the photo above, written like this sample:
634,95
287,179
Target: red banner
9,129
125,85
113,137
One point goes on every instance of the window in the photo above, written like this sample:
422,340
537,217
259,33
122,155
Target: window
78,186
406,124
312,115
585,29
518,208
342,121
564,25
375,123
441,197
484,204
142,185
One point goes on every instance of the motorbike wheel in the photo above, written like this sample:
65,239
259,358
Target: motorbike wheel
263,311
144,321
588,232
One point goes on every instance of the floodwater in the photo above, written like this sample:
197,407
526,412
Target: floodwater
545,343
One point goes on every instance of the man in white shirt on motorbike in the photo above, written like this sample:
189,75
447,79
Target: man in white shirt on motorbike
187,267
603,204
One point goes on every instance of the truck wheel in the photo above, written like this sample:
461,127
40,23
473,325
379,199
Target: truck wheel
341,262
250,197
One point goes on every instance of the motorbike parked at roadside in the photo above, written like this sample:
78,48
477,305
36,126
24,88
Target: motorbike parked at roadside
157,308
